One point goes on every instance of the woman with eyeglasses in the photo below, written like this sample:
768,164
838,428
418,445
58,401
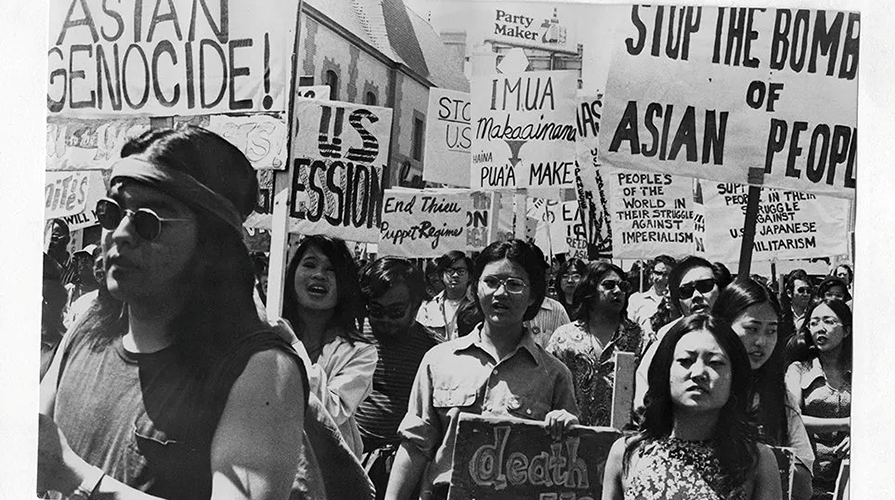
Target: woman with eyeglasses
754,314
440,313
567,277
498,369
588,345
695,440
323,304
170,386
821,384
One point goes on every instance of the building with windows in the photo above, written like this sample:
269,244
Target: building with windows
379,52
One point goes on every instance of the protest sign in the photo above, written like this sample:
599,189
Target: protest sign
523,132
481,221
423,223
320,92
85,144
560,227
339,155
262,138
589,184
790,225
180,57
709,92
514,459
65,193
652,214
448,137
96,189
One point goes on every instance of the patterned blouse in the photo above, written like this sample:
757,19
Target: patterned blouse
675,469
593,369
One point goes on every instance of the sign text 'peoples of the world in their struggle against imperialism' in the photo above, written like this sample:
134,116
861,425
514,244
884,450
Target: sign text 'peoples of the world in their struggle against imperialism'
339,155
710,92
164,58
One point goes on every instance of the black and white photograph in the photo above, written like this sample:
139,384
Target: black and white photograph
448,250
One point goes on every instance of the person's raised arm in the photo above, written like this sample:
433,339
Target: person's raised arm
612,474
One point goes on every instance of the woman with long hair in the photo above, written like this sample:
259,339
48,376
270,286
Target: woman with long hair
588,345
695,439
567,278
754,314
322,301
497,369
170,385
821,384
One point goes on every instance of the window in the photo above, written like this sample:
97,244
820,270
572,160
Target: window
306,81
333,81
370,99
418,130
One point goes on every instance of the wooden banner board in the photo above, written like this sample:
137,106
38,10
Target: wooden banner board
515,459
448,137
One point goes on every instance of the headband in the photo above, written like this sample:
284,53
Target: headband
182,186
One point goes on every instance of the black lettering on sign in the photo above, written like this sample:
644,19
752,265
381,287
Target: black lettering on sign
828,149
340,192
801,39
681,24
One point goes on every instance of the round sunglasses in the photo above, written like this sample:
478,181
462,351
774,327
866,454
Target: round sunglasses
147,223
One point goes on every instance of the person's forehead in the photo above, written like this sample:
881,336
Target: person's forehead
504,267
797,283
660,266
695,274
823,310
457,264
313,252
137,195
762,312
394,295
699,341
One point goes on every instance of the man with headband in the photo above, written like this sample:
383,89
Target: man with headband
171,385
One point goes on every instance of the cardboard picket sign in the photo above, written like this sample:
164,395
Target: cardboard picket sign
651,214
65,193
689,94
790,225
560,227
523,130
589,183
448,137
181,58
423,223
96,189
340,158
515,459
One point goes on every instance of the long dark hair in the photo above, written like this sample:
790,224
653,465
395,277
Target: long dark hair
588,288
768,380
574,264
349,311
807,351
528,256
734,437
219,307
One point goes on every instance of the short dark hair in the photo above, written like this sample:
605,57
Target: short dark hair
796,274
830,282
848,269
720,274
572,264
377,277
447,260
664,259
528,256
588,287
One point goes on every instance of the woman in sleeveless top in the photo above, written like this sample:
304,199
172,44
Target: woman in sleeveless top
171,386
694,440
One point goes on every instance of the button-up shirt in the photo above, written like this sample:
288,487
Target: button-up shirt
461,376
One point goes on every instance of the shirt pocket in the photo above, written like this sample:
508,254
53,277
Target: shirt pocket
527,406
173,467
457,396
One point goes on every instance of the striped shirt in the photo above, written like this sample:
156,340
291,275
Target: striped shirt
551,316
379,415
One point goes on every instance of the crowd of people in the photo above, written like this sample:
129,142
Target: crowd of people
162,376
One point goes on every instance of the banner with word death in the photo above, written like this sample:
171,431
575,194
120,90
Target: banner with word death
448,137
180,57
711,92
514,459
423,223
523,130
790,225
340,157
652,214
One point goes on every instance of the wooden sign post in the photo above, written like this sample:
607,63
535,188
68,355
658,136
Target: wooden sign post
623,390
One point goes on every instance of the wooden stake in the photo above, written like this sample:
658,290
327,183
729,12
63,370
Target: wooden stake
623,390
756,176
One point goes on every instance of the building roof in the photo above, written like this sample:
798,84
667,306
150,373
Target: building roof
445,70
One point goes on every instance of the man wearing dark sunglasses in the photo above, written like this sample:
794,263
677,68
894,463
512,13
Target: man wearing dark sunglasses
693,284
393,289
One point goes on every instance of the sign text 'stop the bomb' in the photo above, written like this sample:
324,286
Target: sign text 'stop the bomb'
163,58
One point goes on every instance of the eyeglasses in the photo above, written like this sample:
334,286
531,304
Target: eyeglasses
396,312
826,320
611,284
146,222
803,290
704,286
572,277
459,271
512,285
